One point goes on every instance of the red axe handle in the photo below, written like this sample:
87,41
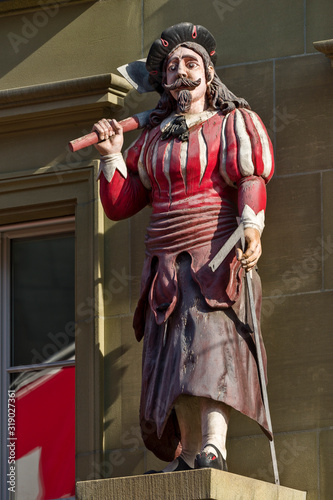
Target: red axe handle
132,123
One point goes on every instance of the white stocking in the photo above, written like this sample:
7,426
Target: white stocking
214,421
189,420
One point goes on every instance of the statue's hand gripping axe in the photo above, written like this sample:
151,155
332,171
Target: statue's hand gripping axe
238,235
137,75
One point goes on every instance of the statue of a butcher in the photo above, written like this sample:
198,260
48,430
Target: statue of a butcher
202,162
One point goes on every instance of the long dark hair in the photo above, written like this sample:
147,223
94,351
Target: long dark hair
218,95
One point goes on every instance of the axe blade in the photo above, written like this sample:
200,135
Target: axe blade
137,75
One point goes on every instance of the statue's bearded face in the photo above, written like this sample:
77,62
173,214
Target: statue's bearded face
186,80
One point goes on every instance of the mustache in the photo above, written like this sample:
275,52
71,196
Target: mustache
182,83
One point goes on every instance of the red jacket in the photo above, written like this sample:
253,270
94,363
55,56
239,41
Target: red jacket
196,188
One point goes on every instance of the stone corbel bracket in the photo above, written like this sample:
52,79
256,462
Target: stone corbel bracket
64,102
326,47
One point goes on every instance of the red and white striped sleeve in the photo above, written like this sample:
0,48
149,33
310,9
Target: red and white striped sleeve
247,163
246,147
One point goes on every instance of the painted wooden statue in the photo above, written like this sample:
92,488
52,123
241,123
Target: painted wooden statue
203,161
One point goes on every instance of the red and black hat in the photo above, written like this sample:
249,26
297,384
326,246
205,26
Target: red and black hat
169,40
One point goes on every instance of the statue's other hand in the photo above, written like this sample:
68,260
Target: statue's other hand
249,258
111,133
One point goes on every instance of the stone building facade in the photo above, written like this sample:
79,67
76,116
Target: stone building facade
58,75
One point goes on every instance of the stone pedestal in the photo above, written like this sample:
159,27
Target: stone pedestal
204,484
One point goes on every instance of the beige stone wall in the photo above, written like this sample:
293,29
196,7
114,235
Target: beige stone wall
265,55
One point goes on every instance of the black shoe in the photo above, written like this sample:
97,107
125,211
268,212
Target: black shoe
182,465
209,460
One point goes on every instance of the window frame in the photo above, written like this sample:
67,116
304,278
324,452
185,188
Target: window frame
43,195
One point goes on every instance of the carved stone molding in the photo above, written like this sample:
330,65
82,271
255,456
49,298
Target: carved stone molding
326,47
13,7
58,103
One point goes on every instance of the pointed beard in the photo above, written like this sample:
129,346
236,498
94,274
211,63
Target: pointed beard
184,101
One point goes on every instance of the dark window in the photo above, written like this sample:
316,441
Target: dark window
42,297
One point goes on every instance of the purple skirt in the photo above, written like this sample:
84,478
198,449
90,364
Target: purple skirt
199,351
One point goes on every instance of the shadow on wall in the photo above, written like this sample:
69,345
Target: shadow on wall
113,375
25,33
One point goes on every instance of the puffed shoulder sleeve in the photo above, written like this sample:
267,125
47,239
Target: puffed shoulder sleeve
246,148
247,163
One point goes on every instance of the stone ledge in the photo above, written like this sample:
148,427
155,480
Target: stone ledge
57,103
205,484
